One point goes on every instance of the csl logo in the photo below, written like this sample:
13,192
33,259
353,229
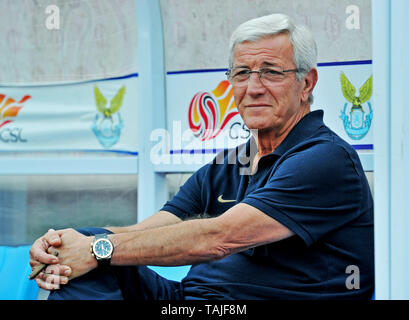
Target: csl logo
357,124
9,109
209,113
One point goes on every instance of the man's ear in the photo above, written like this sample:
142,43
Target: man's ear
309,81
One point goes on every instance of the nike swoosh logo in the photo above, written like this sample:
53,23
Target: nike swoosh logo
221,200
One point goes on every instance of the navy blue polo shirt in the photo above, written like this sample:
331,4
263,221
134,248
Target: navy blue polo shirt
314,184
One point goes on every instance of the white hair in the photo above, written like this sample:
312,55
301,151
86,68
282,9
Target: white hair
304,46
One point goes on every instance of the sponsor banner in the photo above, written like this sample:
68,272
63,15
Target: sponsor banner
201,106
98,115
344,92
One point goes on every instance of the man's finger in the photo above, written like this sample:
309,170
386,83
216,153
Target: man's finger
38,255
46,285
53,238
53,251
53,278
59,270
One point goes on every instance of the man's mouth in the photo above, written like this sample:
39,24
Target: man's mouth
254,105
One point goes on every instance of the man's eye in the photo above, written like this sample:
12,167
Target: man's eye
271,72
241,72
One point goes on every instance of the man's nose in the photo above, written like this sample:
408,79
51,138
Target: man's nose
254,85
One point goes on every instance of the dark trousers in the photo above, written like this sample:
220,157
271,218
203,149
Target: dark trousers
118,283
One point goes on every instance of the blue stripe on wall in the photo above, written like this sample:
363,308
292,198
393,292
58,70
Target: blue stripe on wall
363,146
344,63
132,75
129,153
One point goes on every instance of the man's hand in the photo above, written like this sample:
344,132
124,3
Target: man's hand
39,254
74,257
75,252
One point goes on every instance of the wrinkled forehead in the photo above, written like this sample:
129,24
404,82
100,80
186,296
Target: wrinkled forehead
274,50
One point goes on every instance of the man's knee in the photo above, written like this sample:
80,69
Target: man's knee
98,284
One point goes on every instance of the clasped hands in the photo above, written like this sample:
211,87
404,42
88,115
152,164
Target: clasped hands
74,257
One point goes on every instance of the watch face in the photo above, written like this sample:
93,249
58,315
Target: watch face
103,248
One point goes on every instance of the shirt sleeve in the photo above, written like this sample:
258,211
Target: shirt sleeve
188,200
312,192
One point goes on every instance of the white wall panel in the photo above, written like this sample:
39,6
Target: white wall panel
96,39
197,32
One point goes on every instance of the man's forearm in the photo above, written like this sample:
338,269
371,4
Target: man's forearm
188,242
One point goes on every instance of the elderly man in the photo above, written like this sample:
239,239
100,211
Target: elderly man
300,215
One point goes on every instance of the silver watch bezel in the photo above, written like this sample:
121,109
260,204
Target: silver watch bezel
99,256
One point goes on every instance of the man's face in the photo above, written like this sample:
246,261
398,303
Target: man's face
268,106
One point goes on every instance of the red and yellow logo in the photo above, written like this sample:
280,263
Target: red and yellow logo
210,112
9,108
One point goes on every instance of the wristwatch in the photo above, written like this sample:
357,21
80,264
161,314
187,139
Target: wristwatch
102,249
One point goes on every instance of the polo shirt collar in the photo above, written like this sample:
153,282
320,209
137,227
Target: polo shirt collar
310,123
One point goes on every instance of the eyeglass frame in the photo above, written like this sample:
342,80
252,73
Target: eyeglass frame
249,72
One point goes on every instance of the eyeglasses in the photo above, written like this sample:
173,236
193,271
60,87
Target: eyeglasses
239,76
